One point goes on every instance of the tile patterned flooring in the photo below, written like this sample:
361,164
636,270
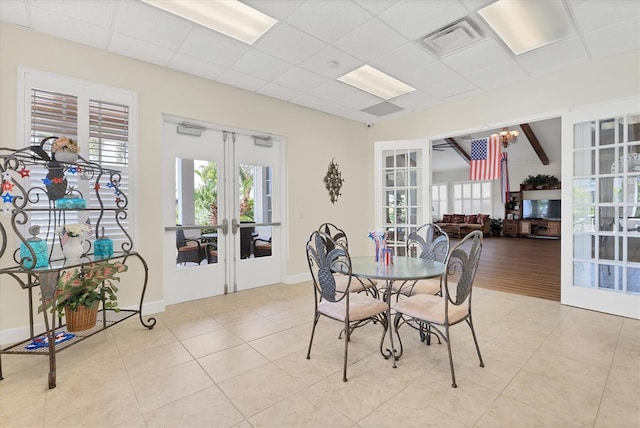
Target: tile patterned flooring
239,361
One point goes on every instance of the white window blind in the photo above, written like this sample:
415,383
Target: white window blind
106,142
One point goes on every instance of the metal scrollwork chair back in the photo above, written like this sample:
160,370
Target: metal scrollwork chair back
329,259
436,314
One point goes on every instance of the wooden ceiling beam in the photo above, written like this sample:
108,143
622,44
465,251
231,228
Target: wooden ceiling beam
464,155
535,144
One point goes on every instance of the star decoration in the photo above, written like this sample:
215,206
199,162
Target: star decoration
46,182
7,197
73,170
110,185
117,192
58,180
6,175
96,186
24,172
7,186
118,200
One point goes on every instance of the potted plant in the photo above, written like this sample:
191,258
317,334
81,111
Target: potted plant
79,293
496,226
65,150
539,181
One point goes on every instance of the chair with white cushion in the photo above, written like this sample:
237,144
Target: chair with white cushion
328,260
437,314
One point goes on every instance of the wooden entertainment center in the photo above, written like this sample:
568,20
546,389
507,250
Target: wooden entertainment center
516,225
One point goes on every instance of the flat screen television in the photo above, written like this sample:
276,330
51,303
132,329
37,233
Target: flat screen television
542,209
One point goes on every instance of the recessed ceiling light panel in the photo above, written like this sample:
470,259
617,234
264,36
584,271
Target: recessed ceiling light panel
375,82
525,25
229,17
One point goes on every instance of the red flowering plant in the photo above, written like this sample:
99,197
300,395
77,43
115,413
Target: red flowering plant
88,286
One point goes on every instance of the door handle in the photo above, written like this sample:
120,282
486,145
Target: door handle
234,226
225,226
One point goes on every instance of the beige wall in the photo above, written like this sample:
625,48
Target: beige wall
312,140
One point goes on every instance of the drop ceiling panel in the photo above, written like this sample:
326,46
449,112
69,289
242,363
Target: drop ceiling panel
416,101
328,20
331,63
241,80
152,25
261,65
309,101
375,7
300,79
614,39
593,15
144,51
477,57
92,12
371,40
279,9
360,100
334,91
414,19
14,12
439,81
497,75
403,60
69,28
289,44
280,92
557,56
196,66
213,47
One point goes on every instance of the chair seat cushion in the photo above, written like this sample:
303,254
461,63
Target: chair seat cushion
421,286
431,308
361,306
357,284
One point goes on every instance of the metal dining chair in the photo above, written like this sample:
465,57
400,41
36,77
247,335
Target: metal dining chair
437,314
329,259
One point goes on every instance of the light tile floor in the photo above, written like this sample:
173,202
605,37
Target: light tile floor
239,361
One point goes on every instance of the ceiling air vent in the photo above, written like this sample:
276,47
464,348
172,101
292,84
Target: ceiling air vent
382,109
452,38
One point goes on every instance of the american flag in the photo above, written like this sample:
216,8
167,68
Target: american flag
485,159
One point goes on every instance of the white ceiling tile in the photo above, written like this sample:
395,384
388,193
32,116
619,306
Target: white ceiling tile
278,9
439,80
277,91
150,24
241,80
614,39
14,12
323,63
309,101
476,57
213,47
473,5
371,40
336,109
196,66
300,79
261,65
375,7
138,49
497,75
328,20
360,100
415,101
595,14
415,19
68,28
403,60
333,91
289,44
95,12
554,57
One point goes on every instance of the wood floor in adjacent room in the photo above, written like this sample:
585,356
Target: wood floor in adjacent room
526,266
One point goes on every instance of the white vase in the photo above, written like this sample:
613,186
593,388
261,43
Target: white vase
73,248
68,157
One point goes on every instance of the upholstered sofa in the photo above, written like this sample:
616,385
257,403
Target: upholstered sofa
461,224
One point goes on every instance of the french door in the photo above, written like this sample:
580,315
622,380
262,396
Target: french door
601,158
221,210
402,189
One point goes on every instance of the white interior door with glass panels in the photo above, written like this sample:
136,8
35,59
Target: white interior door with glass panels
402,189
601,209
220,233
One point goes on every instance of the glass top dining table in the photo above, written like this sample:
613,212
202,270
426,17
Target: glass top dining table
402,269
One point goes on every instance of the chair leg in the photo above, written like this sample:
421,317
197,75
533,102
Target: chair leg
347,337
475,340
453,374
313,331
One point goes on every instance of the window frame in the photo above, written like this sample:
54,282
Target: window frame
472,197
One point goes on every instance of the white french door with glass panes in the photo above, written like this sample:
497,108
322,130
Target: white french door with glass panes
402,188
222,222
102,121
601,208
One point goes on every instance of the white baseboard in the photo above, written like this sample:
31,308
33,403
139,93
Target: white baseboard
294,279
18,334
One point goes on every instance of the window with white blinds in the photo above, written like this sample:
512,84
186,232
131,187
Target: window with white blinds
102,128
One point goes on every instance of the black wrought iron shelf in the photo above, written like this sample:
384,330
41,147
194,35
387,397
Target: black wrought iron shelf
19,197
